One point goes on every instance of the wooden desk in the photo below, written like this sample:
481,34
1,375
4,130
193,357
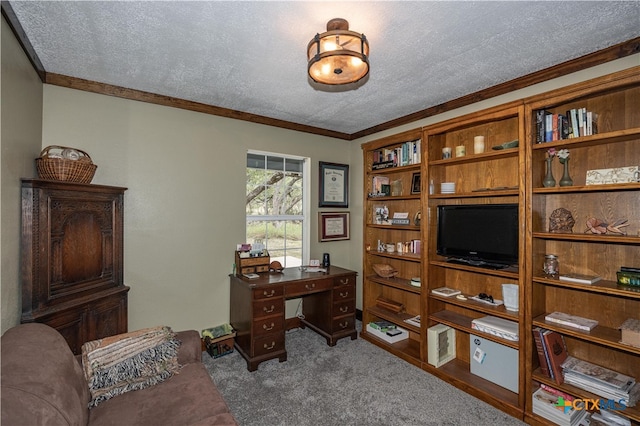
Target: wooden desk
258,314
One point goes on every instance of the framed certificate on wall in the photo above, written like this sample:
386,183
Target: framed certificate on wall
334,185
333,226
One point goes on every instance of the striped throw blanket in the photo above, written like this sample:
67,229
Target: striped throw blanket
127,362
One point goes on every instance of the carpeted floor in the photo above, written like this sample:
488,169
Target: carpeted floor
352,383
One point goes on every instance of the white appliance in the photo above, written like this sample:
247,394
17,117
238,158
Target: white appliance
494,362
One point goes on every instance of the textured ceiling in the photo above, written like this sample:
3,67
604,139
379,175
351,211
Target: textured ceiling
250,56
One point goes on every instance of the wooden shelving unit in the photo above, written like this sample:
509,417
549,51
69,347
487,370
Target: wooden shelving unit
491,177
406,264
616,100
515,176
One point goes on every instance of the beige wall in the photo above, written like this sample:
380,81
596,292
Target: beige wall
184,209
20,143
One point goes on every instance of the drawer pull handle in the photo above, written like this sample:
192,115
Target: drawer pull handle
264,326
273,292
344,325
344,309
344,282
310,287
268,311
271,346
344,295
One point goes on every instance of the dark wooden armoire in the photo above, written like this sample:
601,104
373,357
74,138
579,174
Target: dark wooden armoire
72,259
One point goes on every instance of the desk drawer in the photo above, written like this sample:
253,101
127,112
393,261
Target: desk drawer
268,325
268,292
341,324
344,280
268,344
344,293
347,307
308,287
268,307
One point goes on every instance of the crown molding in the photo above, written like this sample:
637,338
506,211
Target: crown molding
608,54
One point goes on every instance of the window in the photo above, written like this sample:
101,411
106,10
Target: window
277,205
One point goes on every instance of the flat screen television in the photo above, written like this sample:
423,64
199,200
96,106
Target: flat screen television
479,234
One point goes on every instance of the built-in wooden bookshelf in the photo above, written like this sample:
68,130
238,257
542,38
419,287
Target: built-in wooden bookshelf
402,196
616,101
494,176
514,175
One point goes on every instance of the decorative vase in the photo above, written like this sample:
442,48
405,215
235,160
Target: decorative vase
549,181
566,179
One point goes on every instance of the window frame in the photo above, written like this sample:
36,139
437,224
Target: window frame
306,201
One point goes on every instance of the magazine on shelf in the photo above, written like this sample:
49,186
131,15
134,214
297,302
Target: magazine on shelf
413,320
598,375
573,321
580,278
546,404
445,291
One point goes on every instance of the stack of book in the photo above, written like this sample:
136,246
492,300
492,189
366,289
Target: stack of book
575,123
556,406
403,155
387,331
600,381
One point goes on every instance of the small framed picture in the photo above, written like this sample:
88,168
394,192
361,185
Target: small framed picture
333,226
334,185
415,183
380,215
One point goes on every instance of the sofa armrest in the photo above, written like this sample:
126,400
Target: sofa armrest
191,348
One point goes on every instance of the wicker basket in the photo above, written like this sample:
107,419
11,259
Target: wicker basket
65,164
383,270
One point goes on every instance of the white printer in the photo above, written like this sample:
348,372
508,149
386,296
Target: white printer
494,362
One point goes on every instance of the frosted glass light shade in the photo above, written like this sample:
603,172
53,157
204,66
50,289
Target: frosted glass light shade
338,56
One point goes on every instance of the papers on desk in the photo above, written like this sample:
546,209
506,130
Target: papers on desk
316,269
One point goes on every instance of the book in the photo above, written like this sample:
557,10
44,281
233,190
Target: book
542,356
445,291
541,125
557,392
413,320
580,278
382,165
218,331
382,326
557,351
574,321
574,123
548,128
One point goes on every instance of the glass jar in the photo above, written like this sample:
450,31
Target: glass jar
551,265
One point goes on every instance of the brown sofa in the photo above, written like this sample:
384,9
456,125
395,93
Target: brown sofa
43,384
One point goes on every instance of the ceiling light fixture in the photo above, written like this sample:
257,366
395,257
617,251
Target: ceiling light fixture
338,56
